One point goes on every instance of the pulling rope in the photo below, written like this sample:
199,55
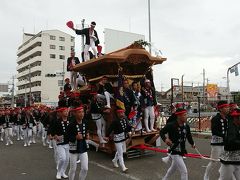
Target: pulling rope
204,157
191,155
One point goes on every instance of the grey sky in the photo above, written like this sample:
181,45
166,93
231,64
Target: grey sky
192,34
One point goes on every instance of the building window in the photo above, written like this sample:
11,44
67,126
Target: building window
52,37
52,56
61,48
61,38
60,82
52,47
61,57
72,39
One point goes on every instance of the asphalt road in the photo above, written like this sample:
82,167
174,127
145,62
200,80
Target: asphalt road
36,163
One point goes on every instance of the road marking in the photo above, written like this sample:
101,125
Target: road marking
112,170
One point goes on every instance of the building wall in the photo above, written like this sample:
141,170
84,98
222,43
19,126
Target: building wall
50,87
115,40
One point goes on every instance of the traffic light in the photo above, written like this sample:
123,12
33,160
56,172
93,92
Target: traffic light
50,75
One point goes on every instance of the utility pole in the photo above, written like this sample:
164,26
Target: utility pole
13,89
171,91
83,21
182,89
172,86
149,27
63,73
203,87
30,85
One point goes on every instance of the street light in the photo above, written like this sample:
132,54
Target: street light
172,79
228,86
149,27
182,89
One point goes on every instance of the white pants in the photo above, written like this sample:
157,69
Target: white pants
86,49
106,97
27,135
73,77
63,158
2,133
44,136
149,112
101,126
73,165
228,172
54,144
120,149
177,163
80,81
137,122
8,135
88,141
34,134
216,151
19,131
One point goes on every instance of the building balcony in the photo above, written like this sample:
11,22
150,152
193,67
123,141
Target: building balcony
31,61
26,72
27,90
28,44
30,53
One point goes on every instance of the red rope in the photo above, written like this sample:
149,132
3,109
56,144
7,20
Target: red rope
143,147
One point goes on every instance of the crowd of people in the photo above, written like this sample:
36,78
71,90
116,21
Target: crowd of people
66,127
225,144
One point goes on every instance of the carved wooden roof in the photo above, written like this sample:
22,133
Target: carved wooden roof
134,60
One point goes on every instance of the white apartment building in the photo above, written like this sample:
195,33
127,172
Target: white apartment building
41,66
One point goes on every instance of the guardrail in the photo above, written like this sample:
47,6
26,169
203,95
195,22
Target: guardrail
196,123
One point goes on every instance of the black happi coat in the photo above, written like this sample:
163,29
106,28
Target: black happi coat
120,129
77,146
85,32
60,129
218,127
231,154
178,135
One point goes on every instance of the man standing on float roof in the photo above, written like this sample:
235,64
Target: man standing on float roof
92,39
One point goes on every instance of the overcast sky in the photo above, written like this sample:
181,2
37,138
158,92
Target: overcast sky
192,34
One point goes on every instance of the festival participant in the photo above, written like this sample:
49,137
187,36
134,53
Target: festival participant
230,158
137,107
18,125
232,106
71,62
174,134
128,97
120,128
148,103
60,136
105,91
92,39
45,123
97,116
28,123
218,127
78,134
7,126
13,120
36,117
67,87
2,120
